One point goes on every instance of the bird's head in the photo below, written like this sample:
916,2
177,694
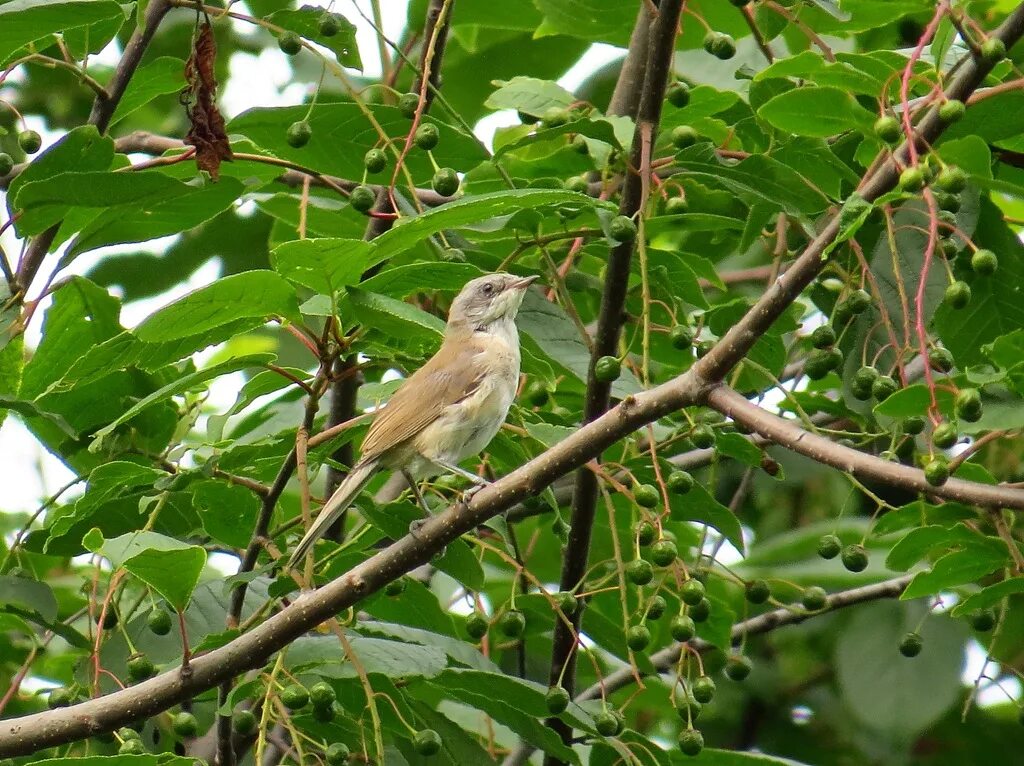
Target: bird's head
489,299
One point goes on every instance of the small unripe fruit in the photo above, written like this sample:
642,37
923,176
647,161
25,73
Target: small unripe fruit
738,667
702,436
823,337
566,602
945,435
30,141
888,129
622,229
814,598
829,546
646,495
555,116
375,160
984,262
453,255
719,45
607,369
298,134
993,50
290,43
692,592
679,482
948,202
936,471
683,136
556,699
951,179
656,608
59,697
185,725
855,558
140,667
127,732
607,723
958,294
132,747
476,626
427,742
6,163
426,136
912,179
914,425
682,628
336,754
445,182
512,623
910,645
408,103
664,553
858,301
883,388
680,335
701,611
362,198
678,94
639,572
691,742
688,709
644,532
294,697
967,405
638,637
677,206
159,621
243,722
757,591
703,689
330,25
109,621
952,111
982,620
322,694
940,359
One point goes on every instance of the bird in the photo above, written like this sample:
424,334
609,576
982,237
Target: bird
450,408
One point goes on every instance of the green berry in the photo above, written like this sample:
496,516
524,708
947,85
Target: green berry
375,160
140,667
321,694
243,722
30,141
408,103
967,405
677,206
945,435
536,393
127,732
912,179
607,369
692,592
683,136
993,50
910,645
738,667
445,182
6,163
952,111
607,723
638,638
703,689
132,747
644,532
622,229
858,301
427,742
109,621
702,436
983,620
719,45
395,587
290,43
688,709
884,387
855,558
337,754
814,598
823,337
948,202
888,129
453,255
294,697
958,294
476,626
362,198
555,116
701,610
829,546
940,359
646,495
984,262
757,591
159,621
185,725
639,572
691,742
682,628
664,553
330,25
59,697
656,608
681,336
556,699
679,482
579,144
298,134
914,425
512,623
426,136
951,179
678,94
936,471
865,376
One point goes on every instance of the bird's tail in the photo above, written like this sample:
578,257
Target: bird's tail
342,498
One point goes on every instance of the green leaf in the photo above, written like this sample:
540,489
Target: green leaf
698,505
31,410
394,317
158,77
227,510
403,281
394,659
914,400
884,690
163,759
28,595
739,447
529,95
179,386
990,596
169,566
595,129
917,543
26,21
458,651
957,568
249,294
821,112
324,265
306,22
604,21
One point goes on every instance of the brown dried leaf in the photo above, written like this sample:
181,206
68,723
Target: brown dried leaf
207,132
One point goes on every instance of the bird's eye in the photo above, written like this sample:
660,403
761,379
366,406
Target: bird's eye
487,288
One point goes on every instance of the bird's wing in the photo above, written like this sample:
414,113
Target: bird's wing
448,377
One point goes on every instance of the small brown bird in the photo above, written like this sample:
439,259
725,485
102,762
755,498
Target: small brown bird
450,408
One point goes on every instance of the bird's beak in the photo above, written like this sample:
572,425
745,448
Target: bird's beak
522,284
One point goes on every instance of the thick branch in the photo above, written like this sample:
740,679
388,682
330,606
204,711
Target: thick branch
790,435
660,48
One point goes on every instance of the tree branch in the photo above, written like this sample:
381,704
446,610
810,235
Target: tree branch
660,48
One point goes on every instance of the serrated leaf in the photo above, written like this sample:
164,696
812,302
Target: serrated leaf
819,111
529,95
324,265
698,505
159,77
394,659
169,566
990,595
958,568
25,21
